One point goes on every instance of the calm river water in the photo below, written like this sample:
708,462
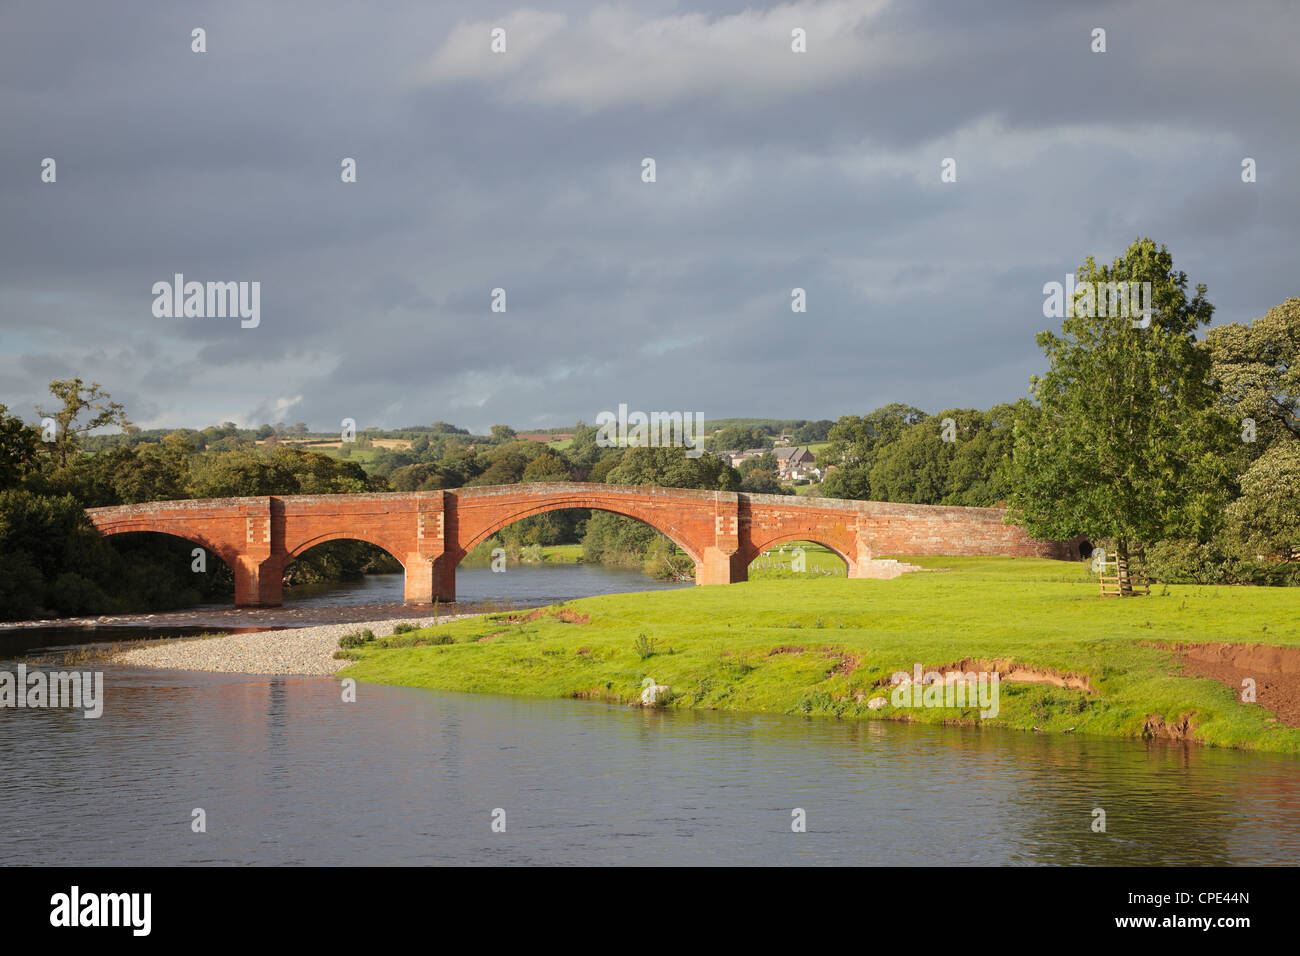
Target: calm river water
287,773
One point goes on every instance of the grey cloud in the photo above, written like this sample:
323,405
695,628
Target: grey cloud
375,295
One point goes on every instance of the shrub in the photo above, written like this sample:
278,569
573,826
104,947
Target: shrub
357,638
405,627
73,594
20,586
1184,561
645,646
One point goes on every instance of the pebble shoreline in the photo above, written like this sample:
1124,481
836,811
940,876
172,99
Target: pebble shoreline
299,651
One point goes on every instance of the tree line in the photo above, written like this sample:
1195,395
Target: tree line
1135,436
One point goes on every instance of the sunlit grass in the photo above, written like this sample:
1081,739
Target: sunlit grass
812,644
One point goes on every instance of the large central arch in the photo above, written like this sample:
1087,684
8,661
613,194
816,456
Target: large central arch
676,535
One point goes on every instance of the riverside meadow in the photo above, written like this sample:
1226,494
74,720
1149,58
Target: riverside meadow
827,645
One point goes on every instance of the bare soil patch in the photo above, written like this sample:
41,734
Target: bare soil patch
567,615
1007,671
1275,671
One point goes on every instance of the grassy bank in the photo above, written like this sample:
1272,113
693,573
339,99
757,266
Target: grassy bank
814,644
529,554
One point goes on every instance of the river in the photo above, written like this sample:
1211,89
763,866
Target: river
287,773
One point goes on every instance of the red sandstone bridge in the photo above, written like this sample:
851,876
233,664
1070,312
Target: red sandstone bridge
429,532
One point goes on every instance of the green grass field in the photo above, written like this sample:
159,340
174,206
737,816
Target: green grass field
814,644
779,562
562,553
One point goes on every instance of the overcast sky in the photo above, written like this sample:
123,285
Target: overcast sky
523,170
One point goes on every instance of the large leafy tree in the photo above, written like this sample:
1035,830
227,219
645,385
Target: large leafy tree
85,408
914,466
1258,367
980,472
970,468
283,471
548,466
855,441
669,467
739,437
1265,520
18,445
1128,446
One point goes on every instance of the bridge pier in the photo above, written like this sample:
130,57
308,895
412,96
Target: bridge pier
428,578
719,567
861,567
258,583
721,561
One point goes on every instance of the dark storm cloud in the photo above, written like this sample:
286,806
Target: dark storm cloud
523,172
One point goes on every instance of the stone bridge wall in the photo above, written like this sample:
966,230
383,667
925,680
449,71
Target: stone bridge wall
430,532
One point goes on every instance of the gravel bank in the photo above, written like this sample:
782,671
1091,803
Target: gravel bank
298,651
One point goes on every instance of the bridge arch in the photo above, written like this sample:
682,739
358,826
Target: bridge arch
392,549
849,559
284,565
228,553
673,533
842,541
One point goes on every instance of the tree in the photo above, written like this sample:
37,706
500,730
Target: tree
979,474
18,447
668,467
763,483
1265,520
739,437
77,398
548,466
810,432
764,464
505,466
1126,443
282,471
583,450
424,476
914,467
854,443
153,472
1258,367
502,433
